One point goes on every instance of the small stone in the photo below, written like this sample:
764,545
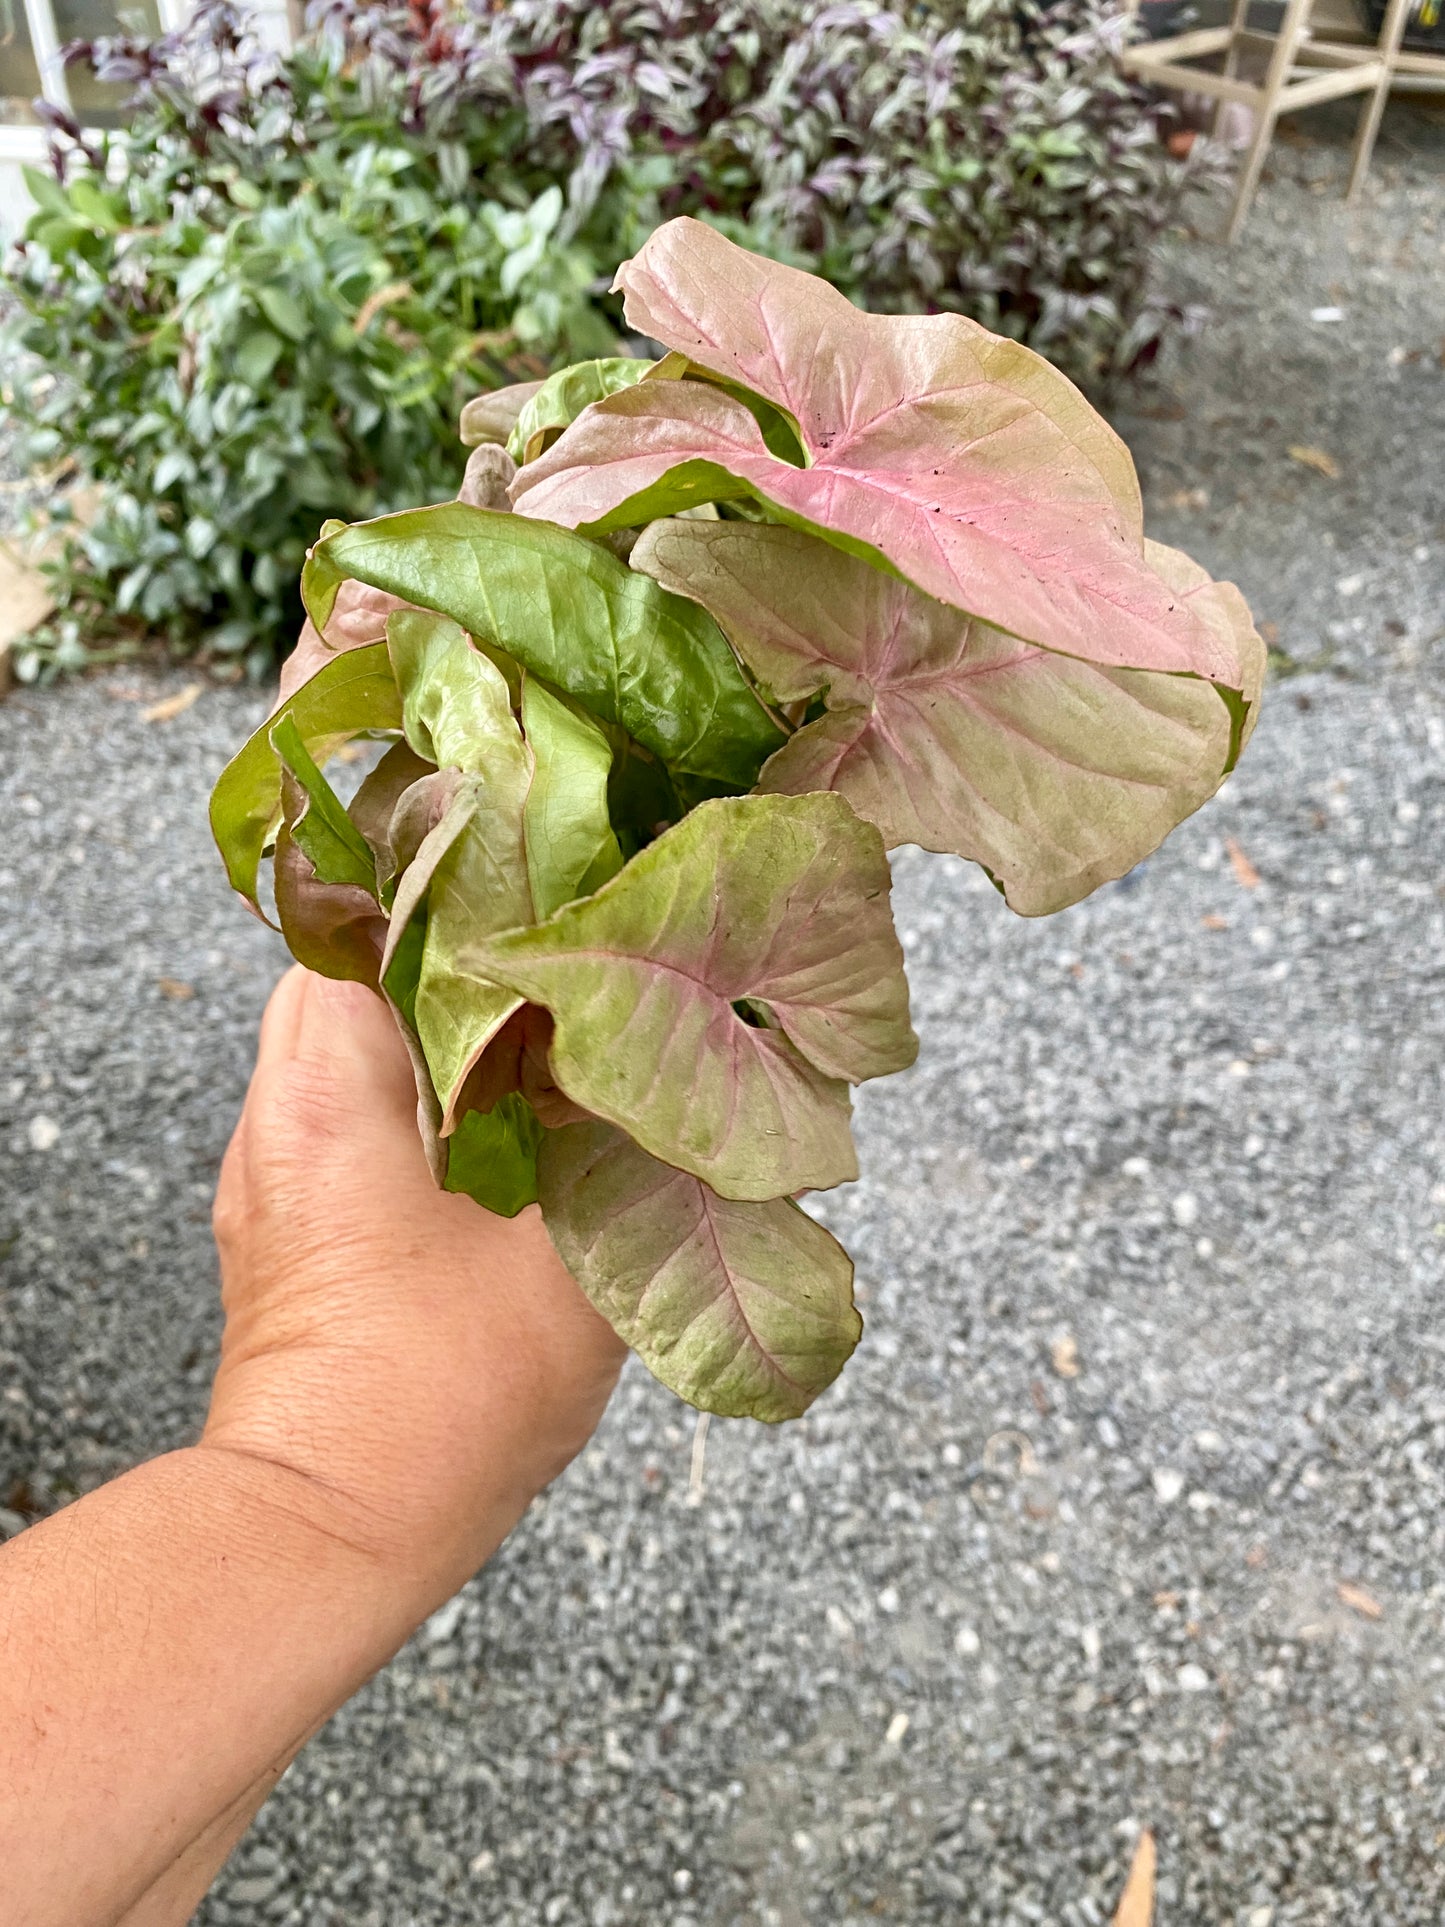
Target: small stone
682,1880
1259,1917
966,1642
1168,1484
1349,585
888,1600
1064,1356
839,1624
250,1893
44,1133
1193,1679
1212,1443
897,1728
1135,1167
1185,1209
444,1622
483,1863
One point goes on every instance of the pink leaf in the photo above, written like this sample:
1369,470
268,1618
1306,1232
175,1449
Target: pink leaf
1055,774
961,460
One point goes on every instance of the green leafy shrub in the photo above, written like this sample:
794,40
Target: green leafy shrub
262,302
816,584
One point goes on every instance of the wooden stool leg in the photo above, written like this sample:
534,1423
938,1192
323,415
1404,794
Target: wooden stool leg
1372,108
1250,172
1296,14
1238,21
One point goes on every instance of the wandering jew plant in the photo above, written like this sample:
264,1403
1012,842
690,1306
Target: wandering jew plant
700,642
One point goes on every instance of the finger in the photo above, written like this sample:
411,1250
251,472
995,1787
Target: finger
281,1019
352,1031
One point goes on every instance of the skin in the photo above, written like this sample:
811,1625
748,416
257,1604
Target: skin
401,1374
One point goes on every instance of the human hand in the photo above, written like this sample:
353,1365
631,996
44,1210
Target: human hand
428,1366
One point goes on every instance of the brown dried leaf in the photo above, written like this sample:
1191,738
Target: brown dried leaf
174,990
1214,921
1245,874
1359,1601
1317,459
1136,1904
170,707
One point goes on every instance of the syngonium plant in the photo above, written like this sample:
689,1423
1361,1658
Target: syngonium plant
701,640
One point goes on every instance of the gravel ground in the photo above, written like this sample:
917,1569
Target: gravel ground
1150,1248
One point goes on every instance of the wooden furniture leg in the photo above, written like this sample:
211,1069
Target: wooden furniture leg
1296,14
1372,107
1238,21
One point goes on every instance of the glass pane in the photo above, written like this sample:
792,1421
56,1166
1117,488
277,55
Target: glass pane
19,70
94,105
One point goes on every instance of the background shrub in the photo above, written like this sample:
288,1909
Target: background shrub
263,301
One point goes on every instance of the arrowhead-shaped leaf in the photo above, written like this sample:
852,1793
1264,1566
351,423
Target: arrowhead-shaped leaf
571,613
318,824
335,928
492,1156
571,848
353,695
961,460
741,1308
772,903
1053,773
492,417
563,396
469,871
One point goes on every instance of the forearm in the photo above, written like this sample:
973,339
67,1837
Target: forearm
166,1645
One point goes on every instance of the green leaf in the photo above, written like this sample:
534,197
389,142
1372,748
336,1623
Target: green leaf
492,1156
569,611
354,695
46,192
778,904
571,847
456,706
561,399
322,830
284,312
469,874
256,357
740,1308
336,929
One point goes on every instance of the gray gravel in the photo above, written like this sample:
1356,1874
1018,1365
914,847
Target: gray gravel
935,1653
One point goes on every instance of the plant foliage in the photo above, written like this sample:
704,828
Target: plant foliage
263,300
815,584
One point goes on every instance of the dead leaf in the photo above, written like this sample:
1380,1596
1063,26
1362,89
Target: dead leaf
1166,1601
1359,1601
1245,874
1064,1354
1214,921
1136,1904
1317,459
378,299
174,989
170,707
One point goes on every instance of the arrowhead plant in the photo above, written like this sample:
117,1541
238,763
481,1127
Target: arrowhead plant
814,584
